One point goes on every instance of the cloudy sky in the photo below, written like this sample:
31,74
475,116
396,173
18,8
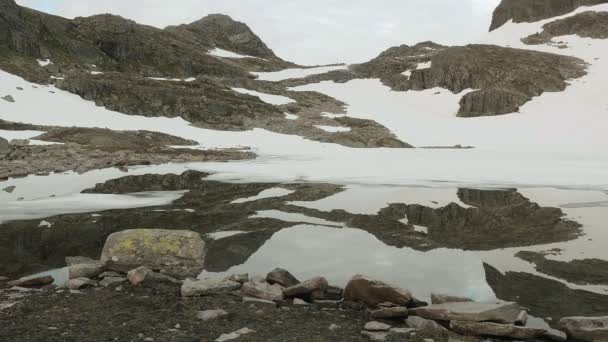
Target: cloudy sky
310,31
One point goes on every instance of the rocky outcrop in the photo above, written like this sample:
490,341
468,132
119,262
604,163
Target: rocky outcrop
505,78
587,25
219,30
174,252
529,11
4,146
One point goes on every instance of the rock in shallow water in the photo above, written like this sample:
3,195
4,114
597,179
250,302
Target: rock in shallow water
176,252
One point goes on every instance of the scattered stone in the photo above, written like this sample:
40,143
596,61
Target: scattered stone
506,313
395,312
259,303
178,253
90,270
32,282
495,329
234,335
8,98
111,281
20,142
110,274
333,327
426,325
77,260
239,278
298,301
138,275
373,292
376,326
442,299
258,288
306,288
211,314
586,328
205,287
375,335
78,283
281,277
9,189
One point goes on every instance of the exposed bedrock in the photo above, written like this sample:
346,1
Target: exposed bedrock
504,78
534,10
587,25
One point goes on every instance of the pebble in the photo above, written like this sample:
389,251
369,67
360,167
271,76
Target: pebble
333,327
211,314
376,326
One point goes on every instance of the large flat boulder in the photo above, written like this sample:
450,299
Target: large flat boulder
373,292
179,253
507,313
259,288
592,329
206,287
495,329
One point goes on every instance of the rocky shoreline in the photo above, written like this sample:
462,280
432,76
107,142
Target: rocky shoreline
148,276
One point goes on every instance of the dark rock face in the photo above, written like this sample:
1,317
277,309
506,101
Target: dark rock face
534,10
582,272
498,219
586,25
205,102
218,30
545,297
506,77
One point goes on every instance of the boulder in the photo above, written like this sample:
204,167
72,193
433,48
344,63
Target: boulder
32,282
586,328
376,326
179,253
495,329
306,288
78,283
507,313
90,270
394,312
110,281
281,277
138,275
259,288
442,299
76,260
373,292
210,314
259,303
430,327
239,278
205,287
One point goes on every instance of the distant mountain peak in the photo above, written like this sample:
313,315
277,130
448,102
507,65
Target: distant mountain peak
534,10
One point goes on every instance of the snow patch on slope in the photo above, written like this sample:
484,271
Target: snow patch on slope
296,73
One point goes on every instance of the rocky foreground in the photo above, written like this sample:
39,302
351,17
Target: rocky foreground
143,288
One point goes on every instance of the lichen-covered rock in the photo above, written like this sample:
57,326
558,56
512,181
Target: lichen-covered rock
176,252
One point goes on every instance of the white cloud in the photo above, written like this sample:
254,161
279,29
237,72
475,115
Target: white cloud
311,31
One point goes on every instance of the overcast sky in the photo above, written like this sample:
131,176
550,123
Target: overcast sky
311,31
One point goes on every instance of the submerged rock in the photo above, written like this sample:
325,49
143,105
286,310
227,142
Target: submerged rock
176,252
373,292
